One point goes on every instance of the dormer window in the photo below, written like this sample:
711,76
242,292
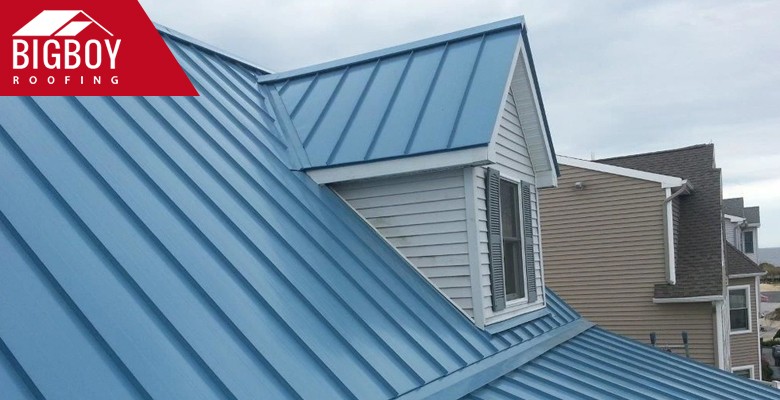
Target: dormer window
749,242
514,277
510,242
415,165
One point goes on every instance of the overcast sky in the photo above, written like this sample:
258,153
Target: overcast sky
617,77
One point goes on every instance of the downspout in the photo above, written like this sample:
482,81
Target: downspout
671,268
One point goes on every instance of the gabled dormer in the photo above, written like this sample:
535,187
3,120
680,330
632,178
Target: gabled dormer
441,146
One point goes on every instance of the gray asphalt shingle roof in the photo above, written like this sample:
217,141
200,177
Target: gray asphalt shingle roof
699,259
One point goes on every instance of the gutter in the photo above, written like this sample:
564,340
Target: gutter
695,299
750,275
671,267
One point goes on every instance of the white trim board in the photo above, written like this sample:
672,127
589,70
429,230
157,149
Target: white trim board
472,233
722,354
696,299
745,368
666,181
733,218
404,165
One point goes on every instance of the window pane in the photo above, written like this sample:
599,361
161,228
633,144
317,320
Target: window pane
745,373
510,275
748,242
509,209
739,320
737,299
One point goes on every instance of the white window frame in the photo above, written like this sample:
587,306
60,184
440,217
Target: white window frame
745,368
746,288
522,300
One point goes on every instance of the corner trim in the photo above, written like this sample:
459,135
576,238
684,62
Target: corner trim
695,299
396,166
472,232
480,373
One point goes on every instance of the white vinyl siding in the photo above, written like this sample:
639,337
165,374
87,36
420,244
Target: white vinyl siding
511,149
514,163
524,101
730,229
424,217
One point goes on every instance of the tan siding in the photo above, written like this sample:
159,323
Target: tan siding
604,253
744,347
424,217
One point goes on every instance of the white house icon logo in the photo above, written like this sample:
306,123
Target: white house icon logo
55,41
58,23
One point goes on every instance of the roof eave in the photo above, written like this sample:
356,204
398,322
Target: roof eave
666,181
463,157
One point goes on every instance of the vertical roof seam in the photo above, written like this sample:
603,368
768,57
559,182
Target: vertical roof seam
241,235
355,111
466,91
69,303
424,106
248,286
6,352
390,104
133,287
230,98
325,108
306,93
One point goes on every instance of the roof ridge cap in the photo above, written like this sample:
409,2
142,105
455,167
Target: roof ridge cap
695,146
164,30
394,50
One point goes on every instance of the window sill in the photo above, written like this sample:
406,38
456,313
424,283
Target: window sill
740,332
515,321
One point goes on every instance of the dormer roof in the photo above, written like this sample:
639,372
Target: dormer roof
440,95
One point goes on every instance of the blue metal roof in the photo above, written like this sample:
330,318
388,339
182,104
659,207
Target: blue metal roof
600,365
164,248
430,96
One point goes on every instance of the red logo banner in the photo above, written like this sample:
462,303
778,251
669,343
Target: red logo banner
85,48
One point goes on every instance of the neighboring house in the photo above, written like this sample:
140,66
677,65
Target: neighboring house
741,226
161,248
635,245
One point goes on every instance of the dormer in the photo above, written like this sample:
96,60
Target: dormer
441,145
